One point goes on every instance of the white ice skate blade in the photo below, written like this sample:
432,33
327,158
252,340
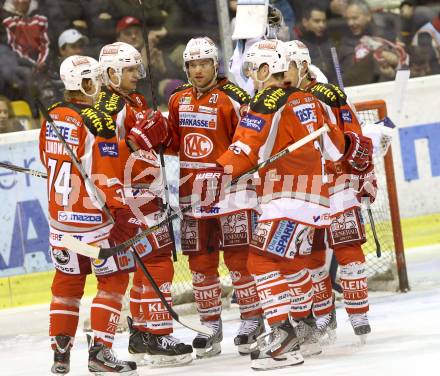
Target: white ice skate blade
159,361
329,338
208,352
293,358
363,339
103,373
247,348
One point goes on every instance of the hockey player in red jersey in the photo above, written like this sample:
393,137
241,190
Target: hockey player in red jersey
352,179
203,116
75,209
151,325
293,195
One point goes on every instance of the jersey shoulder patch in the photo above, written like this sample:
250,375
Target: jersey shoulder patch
99,123
235,92
330,94
181,88
110,103
270,100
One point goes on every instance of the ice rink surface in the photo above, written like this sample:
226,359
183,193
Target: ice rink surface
405,338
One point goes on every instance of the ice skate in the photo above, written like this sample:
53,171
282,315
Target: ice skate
277,349
157,350
61,358
326,328
103,361
361,326
208,346
246,339
308,338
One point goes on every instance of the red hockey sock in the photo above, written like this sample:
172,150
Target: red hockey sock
157,319
106,307
206,284
135,299
243,283
272,287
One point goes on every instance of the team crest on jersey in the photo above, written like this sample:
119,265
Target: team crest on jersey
185,100
196,145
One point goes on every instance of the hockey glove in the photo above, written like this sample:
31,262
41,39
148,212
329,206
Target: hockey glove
358,151
126,226
367,184
148,133
208,183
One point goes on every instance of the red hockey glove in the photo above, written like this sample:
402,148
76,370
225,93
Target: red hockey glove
358,151
151,132
208,182
367,184
126,226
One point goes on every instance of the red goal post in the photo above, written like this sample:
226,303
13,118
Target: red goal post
387,209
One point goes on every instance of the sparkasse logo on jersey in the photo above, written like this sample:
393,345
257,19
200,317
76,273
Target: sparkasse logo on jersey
197,145
197,120
253,122
108,149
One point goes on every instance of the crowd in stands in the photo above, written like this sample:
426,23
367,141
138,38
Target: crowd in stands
372,39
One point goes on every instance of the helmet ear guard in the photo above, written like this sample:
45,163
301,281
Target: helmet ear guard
76,68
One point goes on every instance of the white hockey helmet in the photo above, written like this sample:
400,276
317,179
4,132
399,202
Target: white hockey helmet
200,48
298,52
75,68
120,55
267,51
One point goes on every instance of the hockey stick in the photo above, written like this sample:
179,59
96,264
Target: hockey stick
373,230
38,174
167,206
102,253
197,327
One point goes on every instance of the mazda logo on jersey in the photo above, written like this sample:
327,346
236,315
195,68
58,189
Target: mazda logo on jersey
197,145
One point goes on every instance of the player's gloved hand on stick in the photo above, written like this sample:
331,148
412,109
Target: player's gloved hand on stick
366,183
208,183
126,226
358,151
149,133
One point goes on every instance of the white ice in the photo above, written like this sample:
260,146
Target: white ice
405,338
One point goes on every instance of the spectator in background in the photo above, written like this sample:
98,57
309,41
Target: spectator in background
412,18
70,42
420,63
7,121
24,31
313,32
428,37
360,51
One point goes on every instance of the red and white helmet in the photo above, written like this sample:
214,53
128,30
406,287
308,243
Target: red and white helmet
120,55
298,52
200,48
267,51
75,68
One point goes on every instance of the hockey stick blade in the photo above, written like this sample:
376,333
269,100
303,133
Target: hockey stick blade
80,247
